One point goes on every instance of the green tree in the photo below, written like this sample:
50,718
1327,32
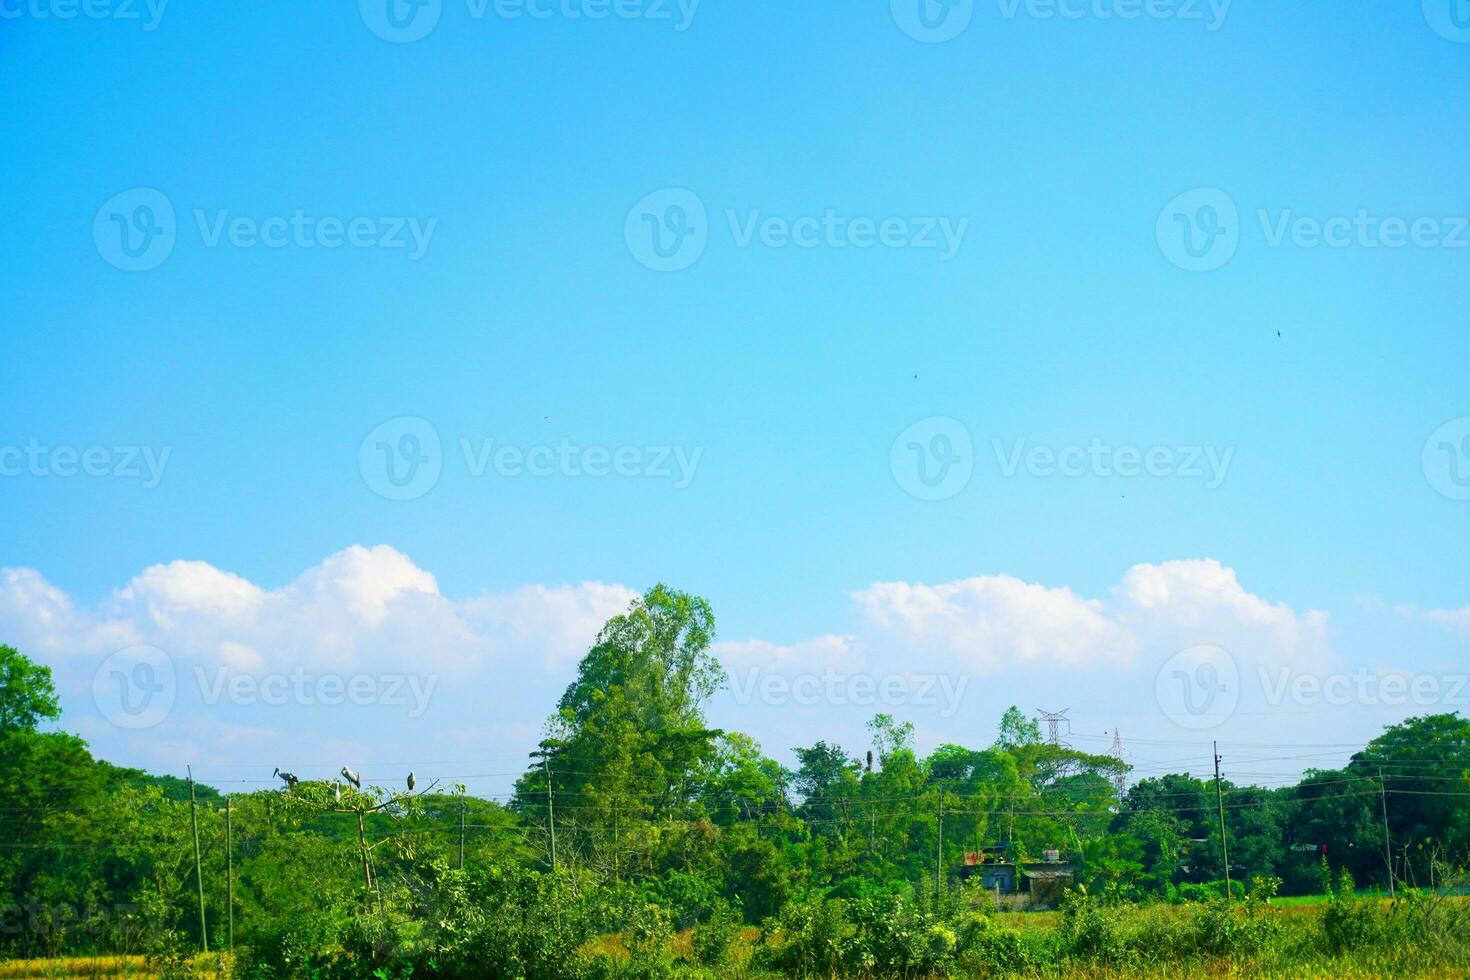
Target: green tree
26,693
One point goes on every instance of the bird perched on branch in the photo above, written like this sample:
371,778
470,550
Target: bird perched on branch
289,778
352,777
410,781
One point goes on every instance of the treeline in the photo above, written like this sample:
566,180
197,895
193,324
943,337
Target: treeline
635,819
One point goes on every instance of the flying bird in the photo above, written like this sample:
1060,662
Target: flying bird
352,777
410,782
289,778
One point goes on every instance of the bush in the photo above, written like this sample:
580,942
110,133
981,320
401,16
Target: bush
893,938
805,939
986,947
713,937
1089,929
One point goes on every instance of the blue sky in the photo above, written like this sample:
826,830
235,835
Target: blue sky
519,146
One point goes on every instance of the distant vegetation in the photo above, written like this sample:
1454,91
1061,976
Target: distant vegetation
685,851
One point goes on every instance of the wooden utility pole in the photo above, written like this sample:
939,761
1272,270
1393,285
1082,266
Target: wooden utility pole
550,808
1220,808
1387,853
367,865
230,871
939,848
198,864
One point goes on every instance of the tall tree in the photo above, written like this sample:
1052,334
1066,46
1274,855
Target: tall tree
26,693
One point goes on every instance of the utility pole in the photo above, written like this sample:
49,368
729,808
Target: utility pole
230,870
939,848
461,835
1220,807
367,866
544,753
198,864
1387,853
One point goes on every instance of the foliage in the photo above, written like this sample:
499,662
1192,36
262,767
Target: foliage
27,695
670,836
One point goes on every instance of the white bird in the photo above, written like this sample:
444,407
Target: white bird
289,777
351,777
410,782
337,791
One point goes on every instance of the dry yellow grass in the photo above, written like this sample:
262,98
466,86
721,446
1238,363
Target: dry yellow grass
97,968
82,966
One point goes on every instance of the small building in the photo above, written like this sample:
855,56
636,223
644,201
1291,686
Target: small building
1041,882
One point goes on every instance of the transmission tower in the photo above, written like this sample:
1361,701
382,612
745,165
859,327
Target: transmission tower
1054,721
1120,780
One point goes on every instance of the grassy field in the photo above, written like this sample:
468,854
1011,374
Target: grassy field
1295,940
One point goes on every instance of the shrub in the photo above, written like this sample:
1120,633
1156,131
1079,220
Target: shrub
713,937
987,947
1090,929
893,938
808,938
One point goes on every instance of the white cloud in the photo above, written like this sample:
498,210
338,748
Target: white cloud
829,649
560,621
995,621
500,659
1454,620
361,608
